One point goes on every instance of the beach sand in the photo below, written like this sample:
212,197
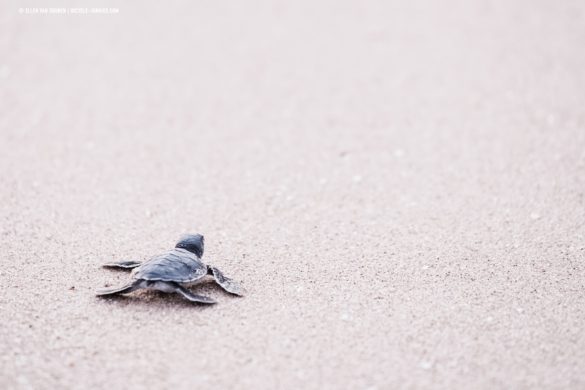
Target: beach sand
400,186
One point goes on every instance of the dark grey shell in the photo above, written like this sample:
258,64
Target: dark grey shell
177,265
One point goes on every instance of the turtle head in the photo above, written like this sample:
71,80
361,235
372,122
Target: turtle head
193,243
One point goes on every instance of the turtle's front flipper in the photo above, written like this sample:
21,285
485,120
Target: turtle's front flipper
119,290
189,295
128,264
226,283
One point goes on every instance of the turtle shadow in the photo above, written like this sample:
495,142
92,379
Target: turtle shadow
153,299
162,300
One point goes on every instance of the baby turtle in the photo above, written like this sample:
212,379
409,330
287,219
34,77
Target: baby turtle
173,271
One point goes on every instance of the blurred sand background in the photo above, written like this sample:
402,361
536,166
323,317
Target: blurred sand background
400,185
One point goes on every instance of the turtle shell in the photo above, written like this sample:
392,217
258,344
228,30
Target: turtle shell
177,265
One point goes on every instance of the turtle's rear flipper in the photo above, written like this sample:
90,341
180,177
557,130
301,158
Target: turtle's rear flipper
226,283
190,296
128,264
118,290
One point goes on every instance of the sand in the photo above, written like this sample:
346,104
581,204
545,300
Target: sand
400,186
